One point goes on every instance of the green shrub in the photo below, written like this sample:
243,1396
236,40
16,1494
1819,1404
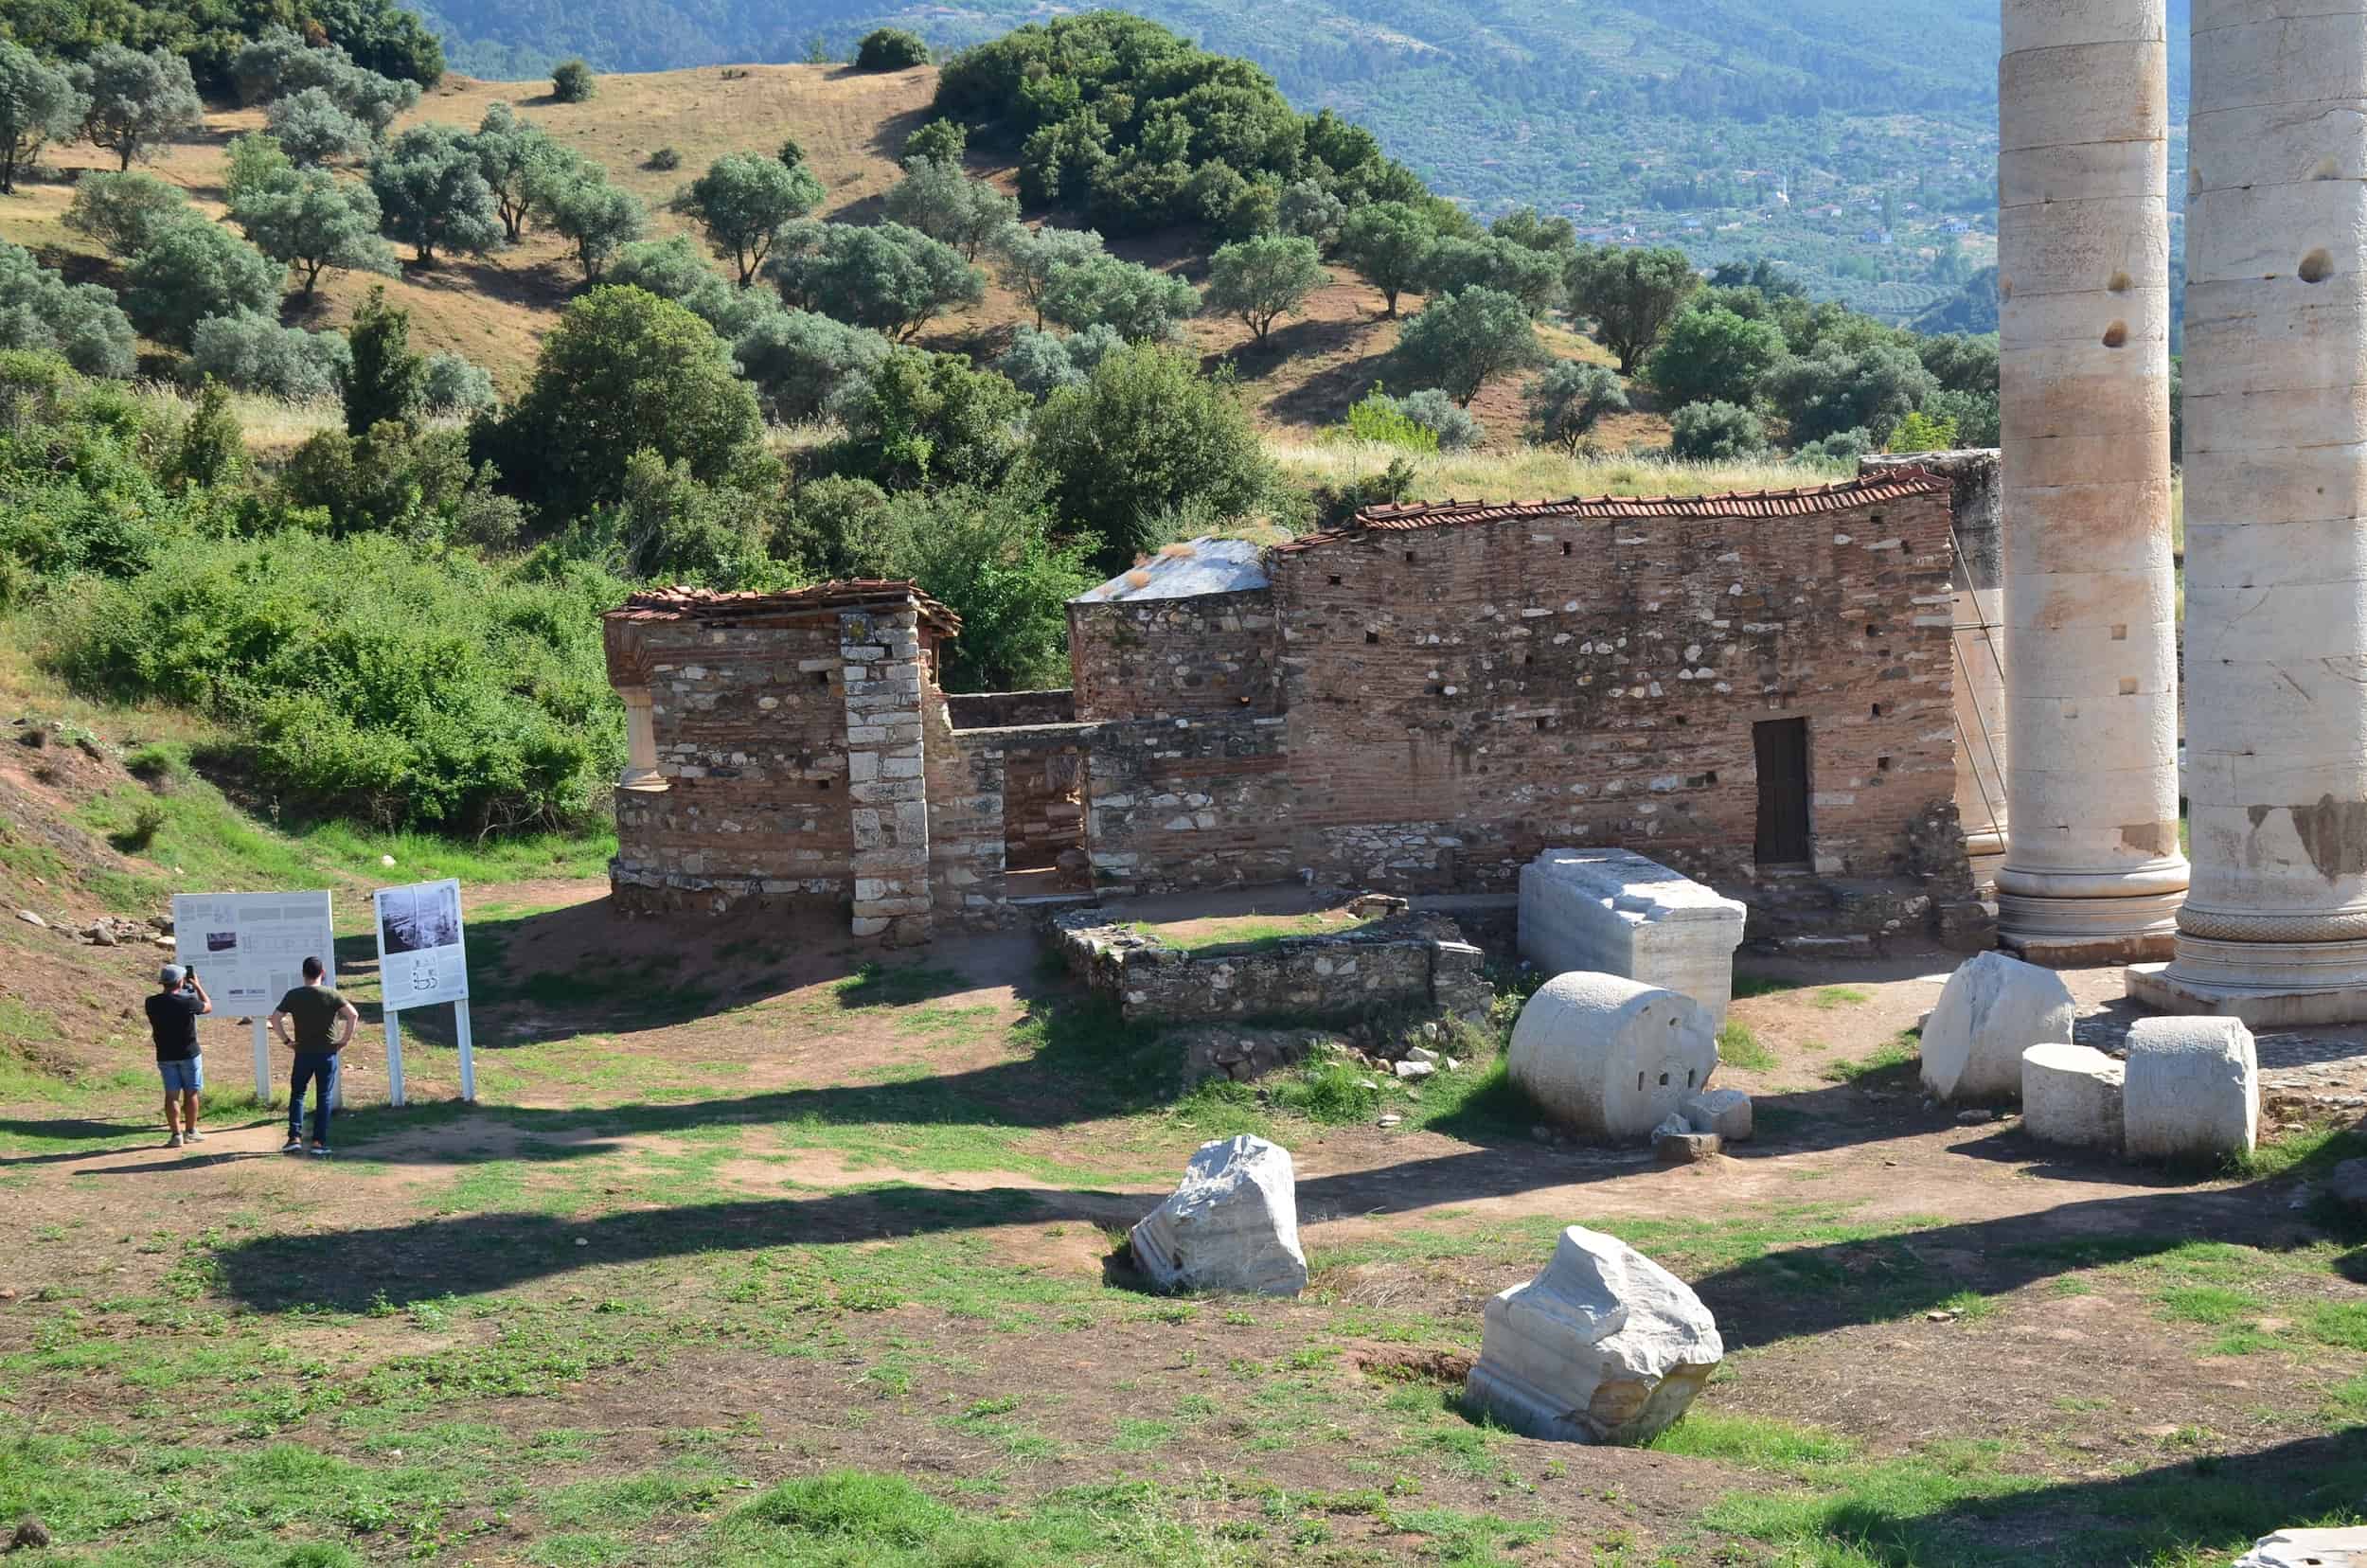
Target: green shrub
1716,432
363,679
890,49
1378,418
572,82
666,159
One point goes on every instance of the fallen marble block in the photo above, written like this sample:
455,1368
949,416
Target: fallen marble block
1613,911
1612,1056
1724,1112
1604,1346
2346,1547
2070,1095
1991,1010
1232,1225
2193,1089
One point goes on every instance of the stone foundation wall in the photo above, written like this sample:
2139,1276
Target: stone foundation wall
1189,803
1419,965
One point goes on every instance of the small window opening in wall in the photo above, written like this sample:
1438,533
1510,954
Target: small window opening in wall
1639,1083
822,784
1878,710
1689,1078
1372,636
1528,658
1565,546
1875,518
1409,558
1873,630
820,677
1333,579
1544,723
1664,1081
1882,764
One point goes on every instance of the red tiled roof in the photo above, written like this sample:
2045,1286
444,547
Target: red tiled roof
1866,490
670,604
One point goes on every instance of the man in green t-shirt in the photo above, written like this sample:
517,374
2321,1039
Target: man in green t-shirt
324,1023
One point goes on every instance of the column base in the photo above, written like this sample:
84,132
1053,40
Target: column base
2087,933
2257,1008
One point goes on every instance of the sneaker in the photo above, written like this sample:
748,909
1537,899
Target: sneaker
173,1142
193,1135
320,1148
293,1145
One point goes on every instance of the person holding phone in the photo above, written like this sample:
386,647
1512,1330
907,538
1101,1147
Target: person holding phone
173,1010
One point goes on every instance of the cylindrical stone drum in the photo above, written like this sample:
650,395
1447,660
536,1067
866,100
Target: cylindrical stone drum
1610,1056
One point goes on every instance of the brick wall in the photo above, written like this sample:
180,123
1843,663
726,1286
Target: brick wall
751,732
1166,657
1183,802
1460,697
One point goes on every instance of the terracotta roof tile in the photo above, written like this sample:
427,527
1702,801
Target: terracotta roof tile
1868,490
679,603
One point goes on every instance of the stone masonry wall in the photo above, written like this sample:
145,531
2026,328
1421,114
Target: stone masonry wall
1163,658
750,727
1459,697
965,776
1414,965
1189,803
885,771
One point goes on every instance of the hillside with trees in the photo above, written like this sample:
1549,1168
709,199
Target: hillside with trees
338,404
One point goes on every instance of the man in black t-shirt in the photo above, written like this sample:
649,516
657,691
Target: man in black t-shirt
173,1015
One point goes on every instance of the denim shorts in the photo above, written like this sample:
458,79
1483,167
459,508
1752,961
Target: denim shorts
183,1076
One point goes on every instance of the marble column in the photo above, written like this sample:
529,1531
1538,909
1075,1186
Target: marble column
2093,872
2275,930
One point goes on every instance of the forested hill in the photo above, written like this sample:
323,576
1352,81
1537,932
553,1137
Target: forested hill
1852,140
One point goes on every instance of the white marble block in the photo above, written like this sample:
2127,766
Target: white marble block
1612,912
1724,1112
2193,1089
1232,1225
1991,1010
2070,1095
1604,1346
1612,1056
2340,1548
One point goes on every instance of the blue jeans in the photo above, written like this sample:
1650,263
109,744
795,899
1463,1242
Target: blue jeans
319,1069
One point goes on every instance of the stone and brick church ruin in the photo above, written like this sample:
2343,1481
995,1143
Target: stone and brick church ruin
1759,689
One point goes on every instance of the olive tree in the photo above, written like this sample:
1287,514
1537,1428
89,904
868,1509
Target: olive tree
194,270
1139,304
743,200
1629,294
1390,243
888,277
134,100
1459,341
598,218
937,198
125,212
1258,281
39,103
316,223
81,323
1569,399
1027,259
432,195
312,127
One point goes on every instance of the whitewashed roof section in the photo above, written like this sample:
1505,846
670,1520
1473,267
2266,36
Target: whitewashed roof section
1186,571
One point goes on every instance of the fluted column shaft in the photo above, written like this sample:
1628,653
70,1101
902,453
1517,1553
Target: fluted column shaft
2276,498
2093,868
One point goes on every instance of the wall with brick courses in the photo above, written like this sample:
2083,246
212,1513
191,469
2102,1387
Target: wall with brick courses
965,776
1461,697
1183,803
1163,658
750,729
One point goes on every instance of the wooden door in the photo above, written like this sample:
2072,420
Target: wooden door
1782,745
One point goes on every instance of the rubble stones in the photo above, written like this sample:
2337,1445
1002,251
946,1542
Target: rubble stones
1604,1346
2070,1095
1611,1055
1991,1010
1231,1226
1686,1148
2192,1090
1724,1112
